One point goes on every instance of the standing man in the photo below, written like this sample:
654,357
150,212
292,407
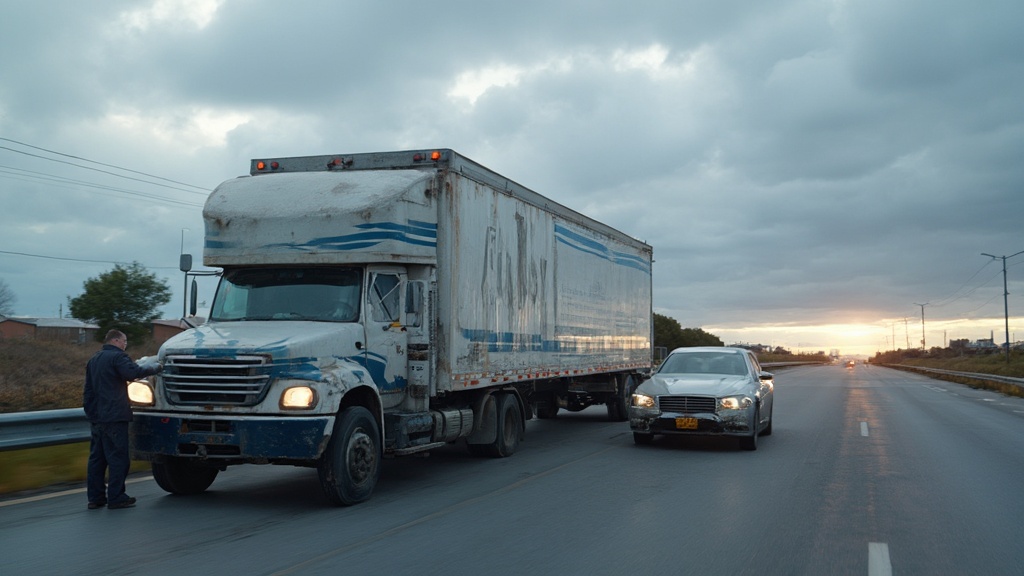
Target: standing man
106,406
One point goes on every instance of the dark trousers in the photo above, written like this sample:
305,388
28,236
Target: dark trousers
108,450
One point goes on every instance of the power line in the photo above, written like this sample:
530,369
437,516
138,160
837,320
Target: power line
84,260
205,190
106,171
953,297
29,176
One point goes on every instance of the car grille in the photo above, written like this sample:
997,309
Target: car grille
235,381
687,404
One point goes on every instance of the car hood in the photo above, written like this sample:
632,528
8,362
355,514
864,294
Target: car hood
696,384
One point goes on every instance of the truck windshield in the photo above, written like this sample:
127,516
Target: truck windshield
318,294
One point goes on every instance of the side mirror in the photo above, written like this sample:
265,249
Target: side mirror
185,263
193,297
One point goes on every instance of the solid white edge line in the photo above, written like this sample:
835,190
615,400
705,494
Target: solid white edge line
863,428
878,559
61,493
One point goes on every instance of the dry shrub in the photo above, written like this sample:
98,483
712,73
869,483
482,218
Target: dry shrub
39,375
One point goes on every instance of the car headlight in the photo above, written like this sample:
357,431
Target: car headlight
734,402
298,398
140,392
643,401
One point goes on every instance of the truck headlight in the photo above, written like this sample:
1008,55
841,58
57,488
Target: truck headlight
298,398
140,392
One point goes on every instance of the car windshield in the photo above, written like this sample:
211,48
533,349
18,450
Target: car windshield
318,294
704,363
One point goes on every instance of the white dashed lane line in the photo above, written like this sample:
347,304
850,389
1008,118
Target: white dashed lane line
878,559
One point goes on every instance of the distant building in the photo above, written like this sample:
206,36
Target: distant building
163,330
48,329
983,344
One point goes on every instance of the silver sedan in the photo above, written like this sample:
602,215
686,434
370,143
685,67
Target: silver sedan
713,391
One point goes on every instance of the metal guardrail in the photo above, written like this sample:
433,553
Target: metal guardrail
788,364
972,375
20,430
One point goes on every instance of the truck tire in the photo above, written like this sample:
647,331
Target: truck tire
350,466
547,408
181,476
618,406
509,426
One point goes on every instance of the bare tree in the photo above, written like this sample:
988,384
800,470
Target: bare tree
7,299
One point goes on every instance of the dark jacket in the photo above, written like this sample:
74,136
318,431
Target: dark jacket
107,374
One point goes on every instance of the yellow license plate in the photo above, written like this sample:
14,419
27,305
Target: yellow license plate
686,423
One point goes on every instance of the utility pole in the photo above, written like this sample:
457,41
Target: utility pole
1006,305
923,346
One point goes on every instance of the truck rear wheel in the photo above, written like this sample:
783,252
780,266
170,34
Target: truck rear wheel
510,427
618,406
350,466
509,424
181,476
547,407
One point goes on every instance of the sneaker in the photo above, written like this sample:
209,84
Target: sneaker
126,503
95,505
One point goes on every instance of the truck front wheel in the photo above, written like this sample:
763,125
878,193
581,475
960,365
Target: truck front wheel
350,466
180,476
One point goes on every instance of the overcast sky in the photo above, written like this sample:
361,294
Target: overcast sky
808,172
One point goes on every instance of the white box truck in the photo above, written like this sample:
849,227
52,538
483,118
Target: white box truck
385,304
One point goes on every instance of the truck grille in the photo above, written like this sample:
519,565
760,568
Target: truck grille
235,381
687,404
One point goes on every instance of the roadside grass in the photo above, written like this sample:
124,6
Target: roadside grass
986,364
47,375
35,468
765,357
995,364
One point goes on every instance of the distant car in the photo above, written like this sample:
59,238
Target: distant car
851,364
709,391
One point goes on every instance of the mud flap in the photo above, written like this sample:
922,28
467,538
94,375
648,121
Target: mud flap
486,417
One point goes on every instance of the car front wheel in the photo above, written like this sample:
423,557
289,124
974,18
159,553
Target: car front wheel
642,439
750,442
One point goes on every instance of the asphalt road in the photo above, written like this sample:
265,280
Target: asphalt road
869,471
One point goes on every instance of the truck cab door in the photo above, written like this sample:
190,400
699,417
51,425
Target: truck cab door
386,337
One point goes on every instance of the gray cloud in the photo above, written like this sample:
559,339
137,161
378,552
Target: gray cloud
802,163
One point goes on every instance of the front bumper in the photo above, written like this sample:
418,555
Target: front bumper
229,439
730,423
